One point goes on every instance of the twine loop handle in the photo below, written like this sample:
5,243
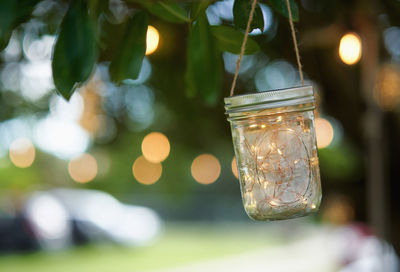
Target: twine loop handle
246,34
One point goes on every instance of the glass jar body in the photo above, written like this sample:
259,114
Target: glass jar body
277,162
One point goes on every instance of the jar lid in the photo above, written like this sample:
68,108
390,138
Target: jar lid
269,99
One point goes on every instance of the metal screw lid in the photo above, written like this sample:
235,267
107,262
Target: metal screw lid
269,99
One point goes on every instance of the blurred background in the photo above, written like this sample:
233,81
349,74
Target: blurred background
141,177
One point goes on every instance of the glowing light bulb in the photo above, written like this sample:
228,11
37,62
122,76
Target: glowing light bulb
152,40
350,48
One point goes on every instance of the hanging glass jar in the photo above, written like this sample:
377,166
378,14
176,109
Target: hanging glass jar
276,153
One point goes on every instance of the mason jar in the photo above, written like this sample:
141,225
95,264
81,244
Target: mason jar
276,153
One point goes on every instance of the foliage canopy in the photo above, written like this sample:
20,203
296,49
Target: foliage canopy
79,40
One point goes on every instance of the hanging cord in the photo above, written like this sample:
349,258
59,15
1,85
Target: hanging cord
296,48
246,34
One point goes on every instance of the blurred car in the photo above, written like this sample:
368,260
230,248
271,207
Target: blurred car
59,218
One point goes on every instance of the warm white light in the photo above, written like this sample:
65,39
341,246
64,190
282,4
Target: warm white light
350,48
205,169
155,147
83,168
324,132
22,153
273,203
152,40
146,172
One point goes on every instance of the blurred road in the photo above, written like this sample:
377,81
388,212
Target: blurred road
290,246
323,248
308,255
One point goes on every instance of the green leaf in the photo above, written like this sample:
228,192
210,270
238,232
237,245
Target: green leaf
204,64
199,7
281,7
171,12
75,52
241,12
12,14
230,40
5,36
96,7
7,17
127,62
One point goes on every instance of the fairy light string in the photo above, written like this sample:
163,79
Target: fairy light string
246,34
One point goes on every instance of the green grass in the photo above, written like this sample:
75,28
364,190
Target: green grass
180,244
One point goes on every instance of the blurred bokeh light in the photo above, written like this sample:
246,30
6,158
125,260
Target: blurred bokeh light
66,197
324,132
387,89
59,132
278,74
350,48
338,210
205,169
146,172
22,152
49,220
152,40
155,147
234,168
83,168
391,38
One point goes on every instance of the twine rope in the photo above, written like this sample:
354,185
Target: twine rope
246,34
296,48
